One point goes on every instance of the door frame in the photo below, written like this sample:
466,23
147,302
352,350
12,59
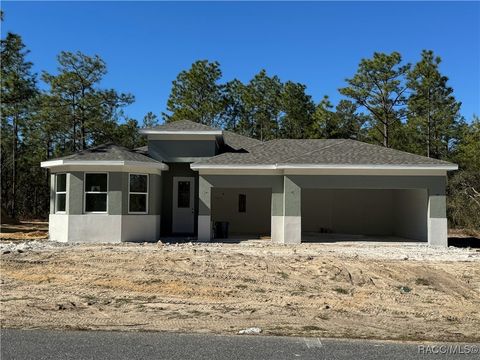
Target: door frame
175,181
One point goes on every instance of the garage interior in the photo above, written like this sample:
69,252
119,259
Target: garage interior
327,213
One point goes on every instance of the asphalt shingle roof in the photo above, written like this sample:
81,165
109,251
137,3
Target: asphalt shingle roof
239,142
108,152
320,152
183,125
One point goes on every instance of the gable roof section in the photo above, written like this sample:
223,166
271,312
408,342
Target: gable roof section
321,153
106,154
182,127
239,142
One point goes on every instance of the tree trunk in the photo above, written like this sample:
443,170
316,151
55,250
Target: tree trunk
14,165
428,126
385,133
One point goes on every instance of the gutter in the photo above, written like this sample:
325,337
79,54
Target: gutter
56,163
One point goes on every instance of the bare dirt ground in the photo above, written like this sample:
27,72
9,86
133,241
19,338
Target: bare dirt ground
356,290
24,230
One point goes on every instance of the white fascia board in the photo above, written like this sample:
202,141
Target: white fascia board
233,167
324,166
183,132
367,167
56,163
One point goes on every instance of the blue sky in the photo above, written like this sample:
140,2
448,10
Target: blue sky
146,44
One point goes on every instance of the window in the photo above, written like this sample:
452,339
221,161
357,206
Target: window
183,200
138,194
242,203
96,190
60,192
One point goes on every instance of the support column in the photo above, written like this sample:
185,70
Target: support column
437,219
286,213
293,212
277,213
204,209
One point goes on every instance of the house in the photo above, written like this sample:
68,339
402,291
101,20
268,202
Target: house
191,176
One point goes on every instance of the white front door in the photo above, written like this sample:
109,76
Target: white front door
183,213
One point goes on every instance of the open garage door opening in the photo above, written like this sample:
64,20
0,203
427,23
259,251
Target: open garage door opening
247,212
364,215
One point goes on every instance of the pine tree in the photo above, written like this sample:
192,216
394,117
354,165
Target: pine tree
196,95
263,105
433,112
379,86
18,90
77,98
298,109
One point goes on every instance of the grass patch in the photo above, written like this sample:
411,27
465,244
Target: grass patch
198,313
296,293
341,290
311,328
422,281
17,299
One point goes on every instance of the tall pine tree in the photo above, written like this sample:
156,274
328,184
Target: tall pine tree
433,112
196,95
379,86
18,90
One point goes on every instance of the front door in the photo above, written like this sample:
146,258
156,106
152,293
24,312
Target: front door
183,205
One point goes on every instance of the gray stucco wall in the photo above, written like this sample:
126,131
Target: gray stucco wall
410,213
75,193
273,182
348,211
255,220
435,184
155,195
52,193
117,186
175,169
181,151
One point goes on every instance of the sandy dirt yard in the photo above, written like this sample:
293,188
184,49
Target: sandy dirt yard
356,290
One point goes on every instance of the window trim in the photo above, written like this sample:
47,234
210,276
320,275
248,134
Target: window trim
94,192
61,192
138,193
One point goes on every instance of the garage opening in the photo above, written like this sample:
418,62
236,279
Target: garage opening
247,211
364,214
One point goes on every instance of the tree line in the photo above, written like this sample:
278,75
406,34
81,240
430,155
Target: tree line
387,102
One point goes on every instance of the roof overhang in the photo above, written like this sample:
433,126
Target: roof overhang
180,132
323,166
61,164
325,169
368,167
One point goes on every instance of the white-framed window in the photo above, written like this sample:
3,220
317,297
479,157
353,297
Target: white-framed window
137,193
60,192
96,192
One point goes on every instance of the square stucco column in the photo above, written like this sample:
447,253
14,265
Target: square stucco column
286,213
437,219
204,209
437,213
